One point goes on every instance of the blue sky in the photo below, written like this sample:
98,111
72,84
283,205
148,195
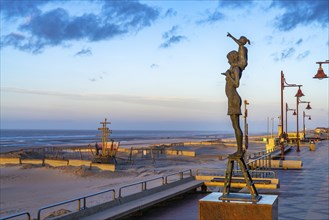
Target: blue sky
157,64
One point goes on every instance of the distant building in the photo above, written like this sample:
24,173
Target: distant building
321,130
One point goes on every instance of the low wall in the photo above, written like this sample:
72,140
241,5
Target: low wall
180,152
32,161
200,143
9,160
105,167
78,163
287,164
56,163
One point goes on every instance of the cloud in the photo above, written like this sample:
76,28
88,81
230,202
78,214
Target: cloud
154,66
170,13
171,32
84,52
285,54
15,9
303,55
171,38
57,27
301,12
235,3
299,41
211,17
130,99
96,78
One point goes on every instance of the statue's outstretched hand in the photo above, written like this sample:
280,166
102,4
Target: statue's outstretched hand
228,34
226,73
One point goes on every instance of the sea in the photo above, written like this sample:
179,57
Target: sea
48,138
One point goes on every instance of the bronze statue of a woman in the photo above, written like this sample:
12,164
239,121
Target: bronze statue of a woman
238,61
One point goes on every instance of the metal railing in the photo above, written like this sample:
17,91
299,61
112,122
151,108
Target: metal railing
181,175
261,162
221,172
258,173
164,181
17,215
142,183
78,200
83,199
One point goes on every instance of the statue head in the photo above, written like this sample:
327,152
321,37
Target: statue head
232,57
243,40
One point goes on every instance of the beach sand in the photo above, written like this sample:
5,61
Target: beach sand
30,187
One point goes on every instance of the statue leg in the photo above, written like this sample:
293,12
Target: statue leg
238,133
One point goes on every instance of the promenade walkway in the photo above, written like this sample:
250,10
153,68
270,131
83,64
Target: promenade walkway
303,194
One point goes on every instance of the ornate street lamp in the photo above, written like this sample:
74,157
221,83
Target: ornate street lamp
308,108
299,93
309,118
288,109
320,74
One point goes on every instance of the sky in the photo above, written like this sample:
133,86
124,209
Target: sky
156,65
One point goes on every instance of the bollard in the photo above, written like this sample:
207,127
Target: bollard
312,145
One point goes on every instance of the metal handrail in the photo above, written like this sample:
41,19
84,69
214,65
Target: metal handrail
164,181
261,173
258,158
16,215
253,173
83,198
144,184
181,174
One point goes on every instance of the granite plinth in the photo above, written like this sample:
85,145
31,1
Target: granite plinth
211,207
240,197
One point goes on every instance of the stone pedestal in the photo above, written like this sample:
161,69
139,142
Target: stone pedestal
212,208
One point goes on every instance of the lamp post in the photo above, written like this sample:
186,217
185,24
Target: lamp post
308,108
309,118
272,125
288,109
283,85
320,74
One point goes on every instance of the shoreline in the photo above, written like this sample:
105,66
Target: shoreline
144,142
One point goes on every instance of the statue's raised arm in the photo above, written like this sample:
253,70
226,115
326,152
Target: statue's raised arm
242,51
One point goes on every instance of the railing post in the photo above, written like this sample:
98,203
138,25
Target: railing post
113,194
79,204
39,215
84,202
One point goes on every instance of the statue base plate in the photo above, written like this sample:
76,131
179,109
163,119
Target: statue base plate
210,207
240,197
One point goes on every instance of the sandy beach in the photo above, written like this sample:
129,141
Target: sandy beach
29,187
